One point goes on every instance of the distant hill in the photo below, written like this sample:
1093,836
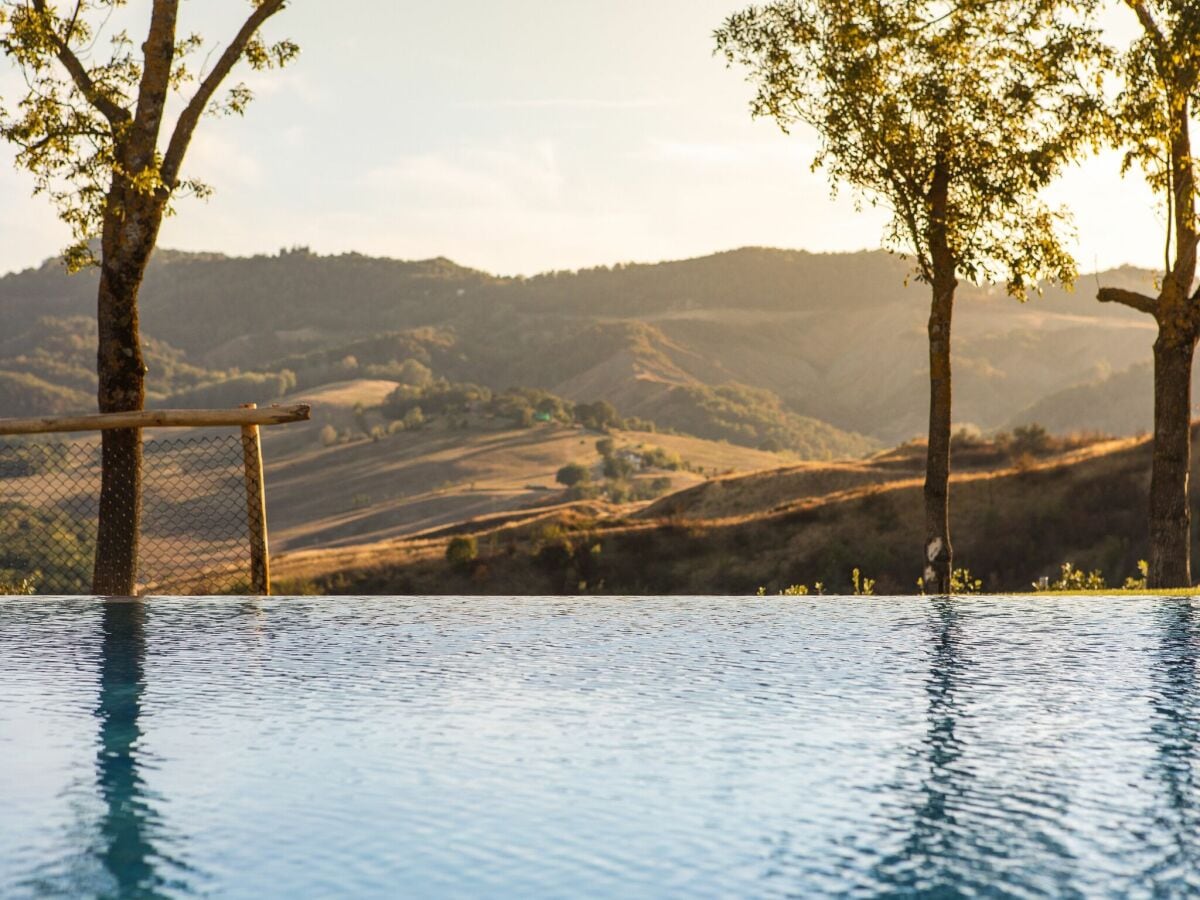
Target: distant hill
820,354
1115,403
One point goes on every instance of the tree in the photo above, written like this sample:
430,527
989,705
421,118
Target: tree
951,116
1161,71
414,373
572,474
91,132
462,551
598,416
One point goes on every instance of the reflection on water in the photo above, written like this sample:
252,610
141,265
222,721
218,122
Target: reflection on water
129,821
929,853
886,747
1175,730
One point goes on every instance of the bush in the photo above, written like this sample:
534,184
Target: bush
649,490
435,399
414,374
585,490
573,474
637,424
462,551
1139,583
47,547
1073,579
12,585
863,586
1032,439
258,387
598,416
966,439
617,467
963,582
658,458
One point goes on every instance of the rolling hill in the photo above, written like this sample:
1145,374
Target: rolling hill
812,351
739,361
1012,524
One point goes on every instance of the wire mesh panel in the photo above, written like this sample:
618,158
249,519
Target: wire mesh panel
195,519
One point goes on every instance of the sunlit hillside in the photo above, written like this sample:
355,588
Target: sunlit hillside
759,347
1015,519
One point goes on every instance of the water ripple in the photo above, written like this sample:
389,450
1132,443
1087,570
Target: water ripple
634,747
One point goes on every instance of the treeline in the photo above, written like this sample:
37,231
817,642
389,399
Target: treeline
520,407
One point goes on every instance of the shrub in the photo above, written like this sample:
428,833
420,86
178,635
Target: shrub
966,439
963,582
414,373
260,387
1032,439
1139,584
619,491
462,551
1073,579
863,587
12,585
598,416
658,458
573,474
617,467
45,545
584,490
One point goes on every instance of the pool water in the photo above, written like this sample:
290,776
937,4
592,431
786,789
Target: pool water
600,747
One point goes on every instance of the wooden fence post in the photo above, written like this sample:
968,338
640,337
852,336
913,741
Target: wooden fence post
256,508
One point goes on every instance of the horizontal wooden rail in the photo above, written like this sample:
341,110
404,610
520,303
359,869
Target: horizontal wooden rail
158,418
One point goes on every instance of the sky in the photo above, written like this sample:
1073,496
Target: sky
519,137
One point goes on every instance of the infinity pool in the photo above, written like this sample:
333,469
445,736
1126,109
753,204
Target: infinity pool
666,747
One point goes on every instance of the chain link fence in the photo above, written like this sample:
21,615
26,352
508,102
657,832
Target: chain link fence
196,523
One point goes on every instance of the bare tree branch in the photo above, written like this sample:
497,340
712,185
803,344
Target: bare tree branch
1132,299
191,114
114,112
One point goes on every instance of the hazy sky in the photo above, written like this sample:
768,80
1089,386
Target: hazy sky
520,136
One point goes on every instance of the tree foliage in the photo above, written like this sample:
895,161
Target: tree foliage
995,96
1160,75
87,127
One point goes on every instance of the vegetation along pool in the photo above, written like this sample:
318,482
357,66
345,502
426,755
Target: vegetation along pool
761,747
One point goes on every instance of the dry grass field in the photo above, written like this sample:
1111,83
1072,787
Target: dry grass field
1014,521
416,481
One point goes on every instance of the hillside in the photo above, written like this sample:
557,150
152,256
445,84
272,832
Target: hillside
1115,403
444,395
360,489
1011,525
822,354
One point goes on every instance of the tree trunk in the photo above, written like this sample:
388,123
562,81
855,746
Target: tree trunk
939,555
122,387
1170,515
